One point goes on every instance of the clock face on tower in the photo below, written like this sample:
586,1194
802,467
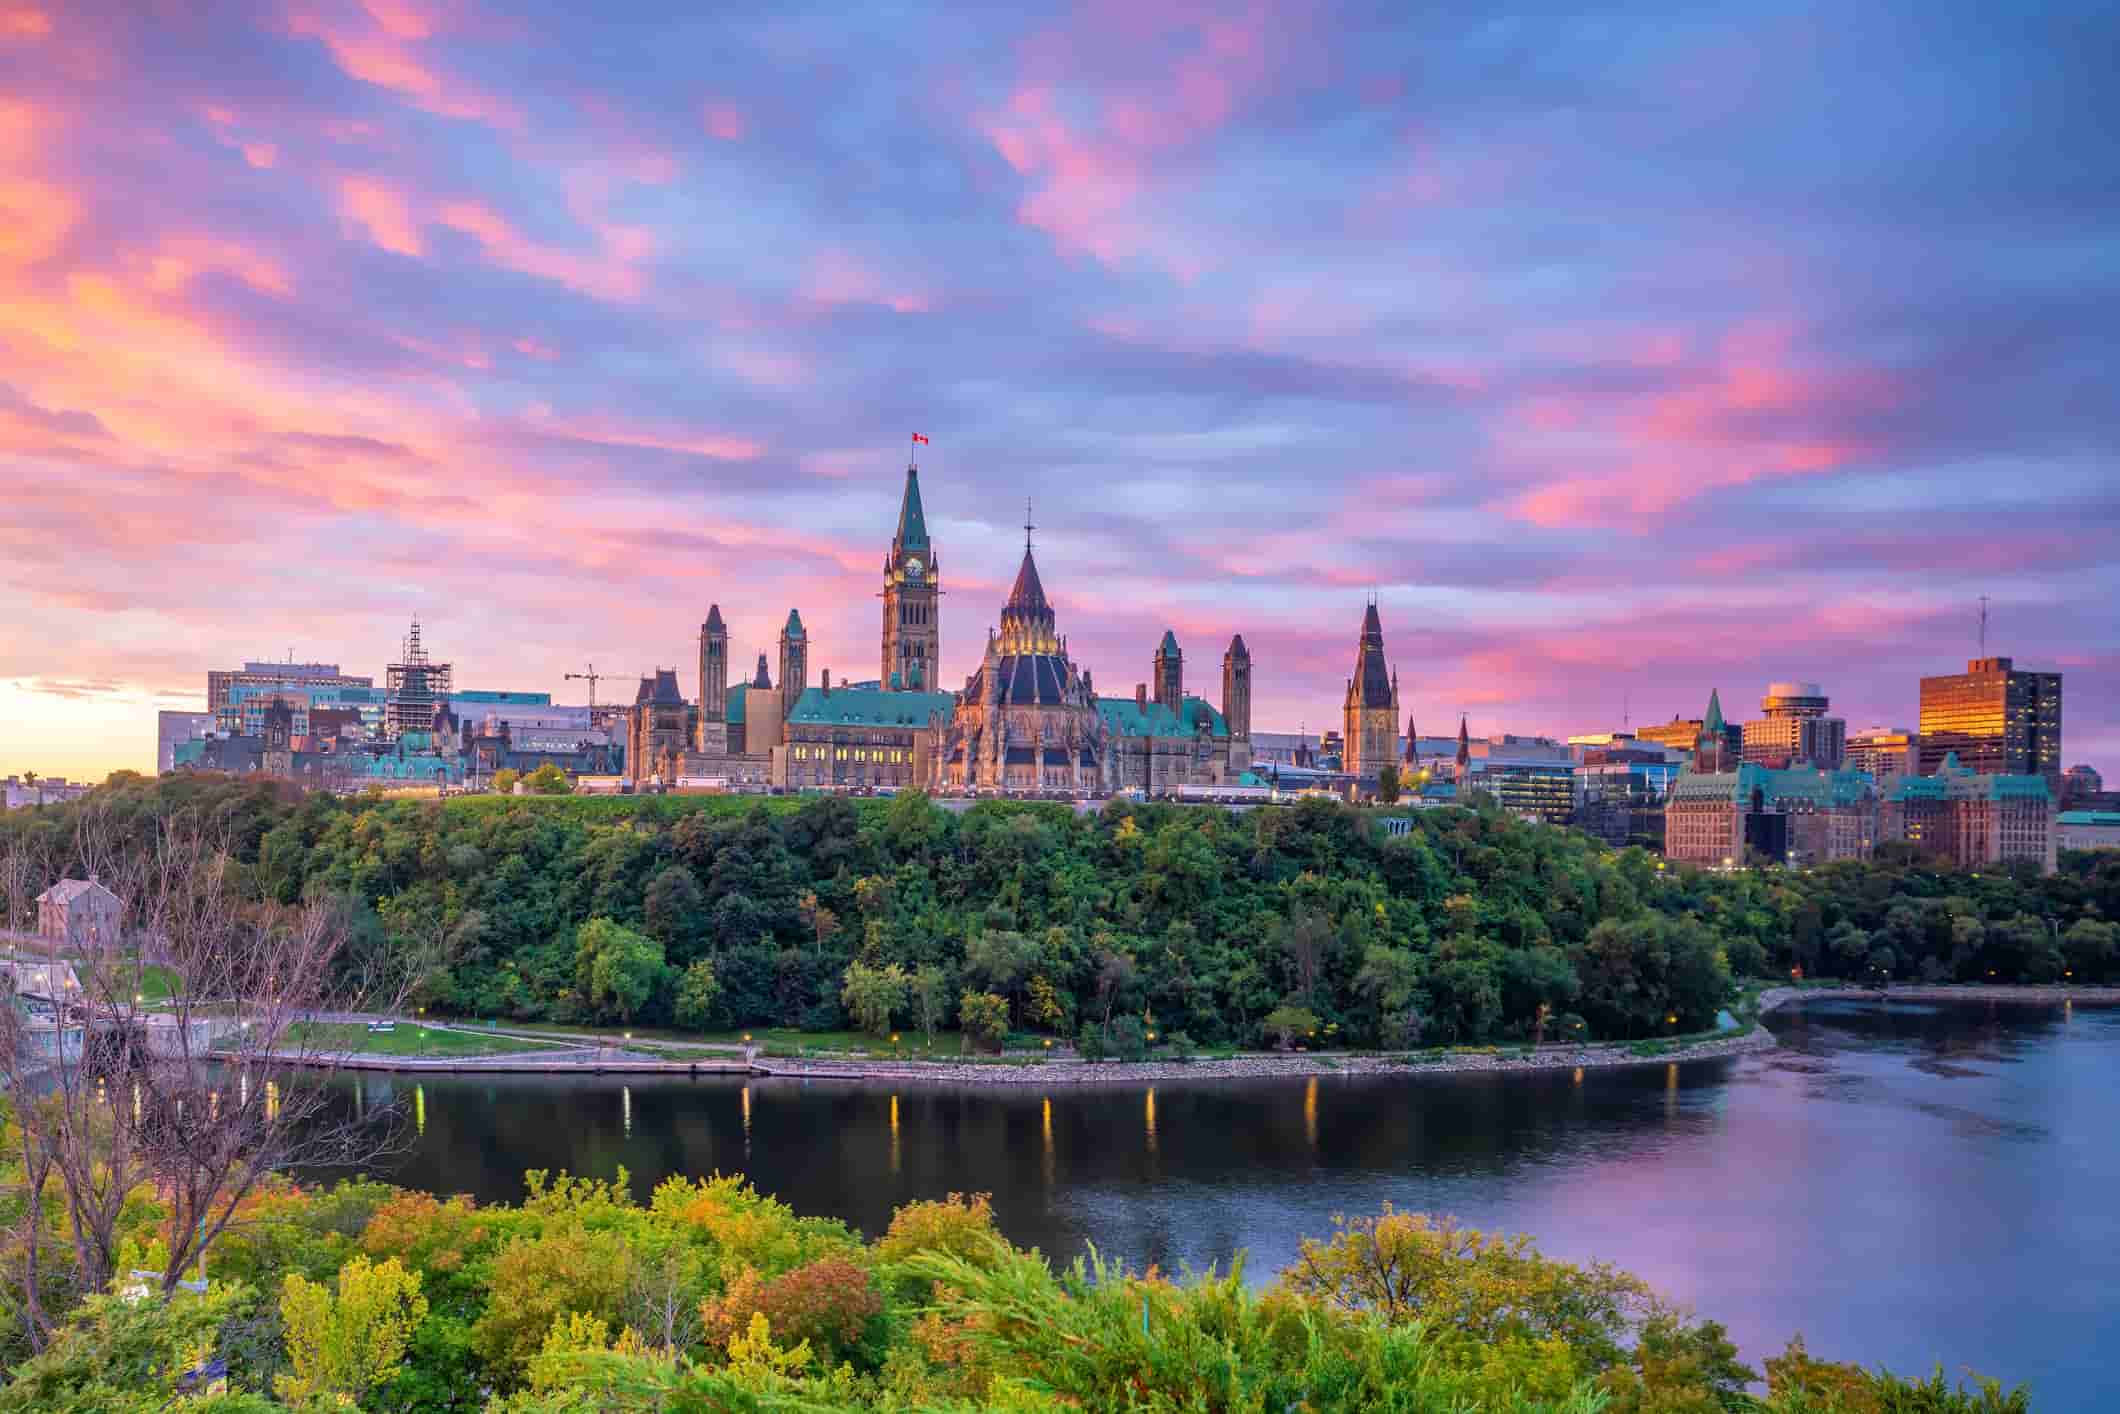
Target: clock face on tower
913,568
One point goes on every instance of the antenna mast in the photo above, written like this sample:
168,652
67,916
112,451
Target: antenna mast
1983,625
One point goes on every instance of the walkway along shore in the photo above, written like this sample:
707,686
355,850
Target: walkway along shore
592,1059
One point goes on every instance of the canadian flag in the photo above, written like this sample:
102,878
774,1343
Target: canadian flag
918,437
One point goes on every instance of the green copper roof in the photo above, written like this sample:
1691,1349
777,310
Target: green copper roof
794,628
1713,724
1804,783
736,695
1169,646
912,522
1955,782
2090,817
868,707
1125,717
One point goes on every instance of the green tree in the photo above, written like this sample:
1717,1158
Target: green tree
617,969
1287,1025
1388,783
697,991
548,779
346,1344
984,1018
503,782
928,989
674,912
873,995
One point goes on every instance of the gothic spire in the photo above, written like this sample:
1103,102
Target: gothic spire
912,521
1372,679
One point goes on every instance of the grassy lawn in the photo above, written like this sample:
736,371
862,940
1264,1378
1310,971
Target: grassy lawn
410,1039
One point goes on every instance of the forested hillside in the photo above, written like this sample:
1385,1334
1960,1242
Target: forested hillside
1472,927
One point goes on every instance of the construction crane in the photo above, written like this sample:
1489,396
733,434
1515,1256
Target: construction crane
592,677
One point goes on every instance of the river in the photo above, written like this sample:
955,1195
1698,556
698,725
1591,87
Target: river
1902,1183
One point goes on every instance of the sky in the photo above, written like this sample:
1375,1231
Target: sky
1621,352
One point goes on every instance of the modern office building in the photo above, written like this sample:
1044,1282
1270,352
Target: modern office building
1795,730
1620,792
2088,829
1973,819
1529,776
2082,788
1683,733
256,683
1995,719
1884,752
174,727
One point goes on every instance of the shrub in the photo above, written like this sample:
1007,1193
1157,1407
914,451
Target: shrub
537,1281
827,1303
1091,1044
1286,1025
343,1345
961,1224
1129,1039
1179,1045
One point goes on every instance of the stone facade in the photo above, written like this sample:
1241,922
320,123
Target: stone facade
711,732
1028,721
1370,729
1974,819
912,601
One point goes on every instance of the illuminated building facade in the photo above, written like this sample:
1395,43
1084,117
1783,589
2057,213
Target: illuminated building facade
1994,718
1885,752
1795,729
1973,819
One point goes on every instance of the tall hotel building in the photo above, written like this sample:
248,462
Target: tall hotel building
1995,719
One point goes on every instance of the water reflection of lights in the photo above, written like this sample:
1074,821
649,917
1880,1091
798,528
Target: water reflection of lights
1048,1141
272,1099
1151,1119
1310,1112
625,1109
419,1107
746,1097
1578,1075
894,1134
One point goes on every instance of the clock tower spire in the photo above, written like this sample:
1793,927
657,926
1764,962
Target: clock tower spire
912,590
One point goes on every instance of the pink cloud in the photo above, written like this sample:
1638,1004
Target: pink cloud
24,22
383,56
610,432
1752,412
725,121
1092,159
608,275
382,211
840,277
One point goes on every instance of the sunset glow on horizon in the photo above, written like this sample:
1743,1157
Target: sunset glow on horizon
1621,356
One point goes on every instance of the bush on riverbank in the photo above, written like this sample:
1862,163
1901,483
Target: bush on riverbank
733,914
715,1297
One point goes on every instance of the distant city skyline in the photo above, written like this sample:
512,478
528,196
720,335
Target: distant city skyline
1621,356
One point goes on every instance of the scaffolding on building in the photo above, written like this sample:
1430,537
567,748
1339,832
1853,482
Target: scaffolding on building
415,686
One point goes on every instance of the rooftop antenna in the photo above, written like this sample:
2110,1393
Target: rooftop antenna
1624,720
1983,625
1027,526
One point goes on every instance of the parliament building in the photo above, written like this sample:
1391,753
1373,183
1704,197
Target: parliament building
1028,720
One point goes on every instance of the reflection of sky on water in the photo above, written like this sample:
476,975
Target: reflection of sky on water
1902,1185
